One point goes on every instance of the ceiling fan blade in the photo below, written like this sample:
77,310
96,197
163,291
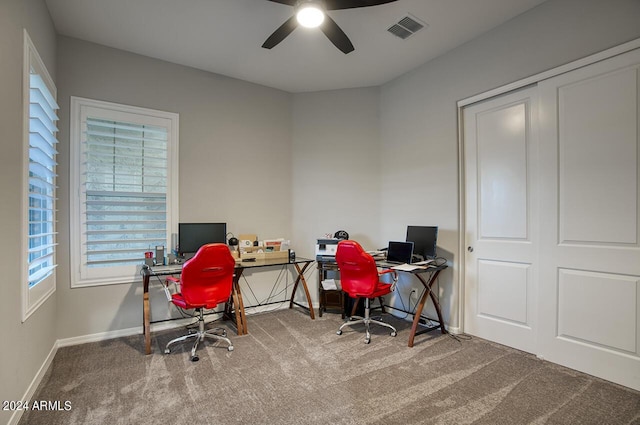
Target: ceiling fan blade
352,4
281,33
336,35
287,2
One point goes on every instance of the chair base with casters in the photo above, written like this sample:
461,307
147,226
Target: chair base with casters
199,336
367,321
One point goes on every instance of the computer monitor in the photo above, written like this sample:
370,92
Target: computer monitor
424,240
191,236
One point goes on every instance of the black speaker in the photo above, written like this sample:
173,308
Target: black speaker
341,234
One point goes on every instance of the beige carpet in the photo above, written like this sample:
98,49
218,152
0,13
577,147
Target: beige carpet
292,370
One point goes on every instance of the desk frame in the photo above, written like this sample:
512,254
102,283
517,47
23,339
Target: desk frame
428,293
234,308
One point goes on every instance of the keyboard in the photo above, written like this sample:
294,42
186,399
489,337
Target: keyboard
424,263
385,263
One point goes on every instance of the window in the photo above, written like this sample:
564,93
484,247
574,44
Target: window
40,180
124,188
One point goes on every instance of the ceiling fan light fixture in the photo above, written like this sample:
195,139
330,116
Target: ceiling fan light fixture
310,14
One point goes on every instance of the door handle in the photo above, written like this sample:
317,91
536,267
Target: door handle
470,248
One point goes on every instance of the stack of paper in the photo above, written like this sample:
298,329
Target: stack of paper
329,285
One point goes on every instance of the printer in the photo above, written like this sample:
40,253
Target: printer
326,249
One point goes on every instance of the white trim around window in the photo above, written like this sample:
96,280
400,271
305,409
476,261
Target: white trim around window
123,186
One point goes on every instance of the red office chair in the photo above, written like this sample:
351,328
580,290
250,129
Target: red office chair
205,282
360,278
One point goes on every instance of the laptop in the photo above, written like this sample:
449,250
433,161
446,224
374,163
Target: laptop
398,253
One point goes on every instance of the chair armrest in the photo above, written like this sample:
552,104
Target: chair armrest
394,277
168,280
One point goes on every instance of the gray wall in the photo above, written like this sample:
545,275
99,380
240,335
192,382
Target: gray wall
25,346
418,118
235,156
336,166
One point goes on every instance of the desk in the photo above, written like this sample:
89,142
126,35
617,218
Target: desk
427,278
234,307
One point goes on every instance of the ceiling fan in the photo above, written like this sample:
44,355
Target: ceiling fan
312,13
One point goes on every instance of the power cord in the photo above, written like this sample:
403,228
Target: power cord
460,337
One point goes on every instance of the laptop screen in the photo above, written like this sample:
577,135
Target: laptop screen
400,252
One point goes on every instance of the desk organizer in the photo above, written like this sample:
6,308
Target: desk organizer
259,253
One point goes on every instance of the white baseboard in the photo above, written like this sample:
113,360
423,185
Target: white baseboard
35,382
155,327
101,336
453,330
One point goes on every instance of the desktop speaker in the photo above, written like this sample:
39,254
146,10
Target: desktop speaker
160,255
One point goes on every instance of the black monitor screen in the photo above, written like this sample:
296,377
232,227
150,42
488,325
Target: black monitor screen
424,240
191,236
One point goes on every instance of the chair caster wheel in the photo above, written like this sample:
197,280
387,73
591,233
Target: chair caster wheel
367,340
195,358
339,333
167,351
230,348
394,333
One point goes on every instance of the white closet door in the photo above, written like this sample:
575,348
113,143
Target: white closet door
500,151
590,223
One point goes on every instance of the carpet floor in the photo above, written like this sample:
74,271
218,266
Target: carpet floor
293,370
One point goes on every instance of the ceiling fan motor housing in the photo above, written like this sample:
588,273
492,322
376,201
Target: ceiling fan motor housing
319,3
310,13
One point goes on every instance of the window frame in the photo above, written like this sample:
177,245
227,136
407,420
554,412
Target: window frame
81,276
34,296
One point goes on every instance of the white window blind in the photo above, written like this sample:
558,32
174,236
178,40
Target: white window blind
38,247
42,179
124,188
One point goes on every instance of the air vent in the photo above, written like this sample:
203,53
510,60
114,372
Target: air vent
406,27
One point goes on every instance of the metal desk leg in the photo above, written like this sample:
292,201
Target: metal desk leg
235,303
146,315
241,317
304,286
428,293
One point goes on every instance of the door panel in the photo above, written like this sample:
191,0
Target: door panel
500,264
502,172
598,158
581,294
512,282
589,158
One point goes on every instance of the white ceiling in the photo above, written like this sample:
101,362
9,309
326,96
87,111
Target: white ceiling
225,36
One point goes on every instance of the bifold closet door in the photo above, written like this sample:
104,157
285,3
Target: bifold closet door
500,157
589,318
